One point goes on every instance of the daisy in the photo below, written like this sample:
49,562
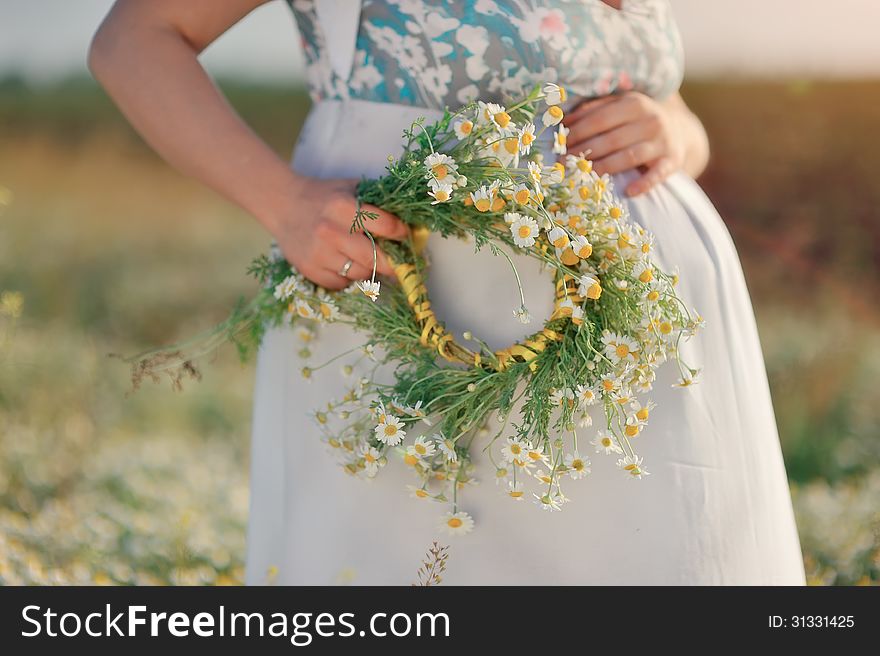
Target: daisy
441,168
463,128
302,309
577,466
515,491
643,271
286,288
605,442
535,455
620,348
633,466
535,175
524,230
371,460
560,140
417,492
440,192
521,194
580,166
589,287
370,288
543,477
561,396
688,378
526,138
421,448
633,427
653,293
642,412
558,237
514,451
554,174
447,448
459,523
482,199
586,395
547,502
390,430
511,217
554,94
328,309
553,116
522,314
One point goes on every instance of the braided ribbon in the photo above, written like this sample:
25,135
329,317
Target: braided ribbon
435,335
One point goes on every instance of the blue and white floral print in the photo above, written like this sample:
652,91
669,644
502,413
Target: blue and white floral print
431,53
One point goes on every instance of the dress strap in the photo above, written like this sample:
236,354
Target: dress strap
339,21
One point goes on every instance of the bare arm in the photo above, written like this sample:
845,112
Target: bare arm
692,134
145,54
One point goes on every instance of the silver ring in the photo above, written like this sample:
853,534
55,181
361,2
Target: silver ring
345,268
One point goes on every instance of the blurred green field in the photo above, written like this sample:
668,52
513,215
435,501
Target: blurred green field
114,253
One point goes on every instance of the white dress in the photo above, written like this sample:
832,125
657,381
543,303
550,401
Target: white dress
716,508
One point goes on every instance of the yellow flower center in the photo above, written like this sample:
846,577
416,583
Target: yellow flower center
466,127
370,457
455,522
595,291
535,455
646,276
665,327
524,231
622,350
561,138
584,165
606,441
421,493
483,204
515,449
527,138
502,119
585,251
614,212
568,257
497,204
441,195
410,459
577,464
522,196
642,414
556,112
653,295
584,192
390,430
511,145
516,494
631,431
440,171
608,385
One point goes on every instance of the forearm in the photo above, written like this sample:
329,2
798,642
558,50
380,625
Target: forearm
693,135
153,74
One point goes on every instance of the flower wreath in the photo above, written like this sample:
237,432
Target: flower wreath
476,172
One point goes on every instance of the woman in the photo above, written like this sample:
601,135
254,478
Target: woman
717,509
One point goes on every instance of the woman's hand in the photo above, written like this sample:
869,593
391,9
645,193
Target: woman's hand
314,232
634,131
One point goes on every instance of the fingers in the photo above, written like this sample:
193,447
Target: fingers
657,171
628,158
614,140
359,249
586,106
604,117
385,225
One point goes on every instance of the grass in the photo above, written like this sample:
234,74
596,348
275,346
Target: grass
114,253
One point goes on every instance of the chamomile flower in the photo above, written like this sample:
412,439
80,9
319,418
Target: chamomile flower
514,450
633,427
560,140
535,175
653,293
370,288
547,502
372,460
524,230
390,430
535,455
302,309
558,237
554,94
642,412
327,309
447,448
482,199
441,193
632,465
421,448
554,174
463,128
586,395
577,466
643,271
688,378
511,217
620,348
441,168
286,288
521,194
605,443
589,287
553,116
526,138
417,492
562,397
515,490
522,314
580,167
459,523
581,247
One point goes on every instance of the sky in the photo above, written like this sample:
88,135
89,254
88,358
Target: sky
45,39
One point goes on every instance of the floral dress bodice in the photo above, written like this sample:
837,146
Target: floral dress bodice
430,53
